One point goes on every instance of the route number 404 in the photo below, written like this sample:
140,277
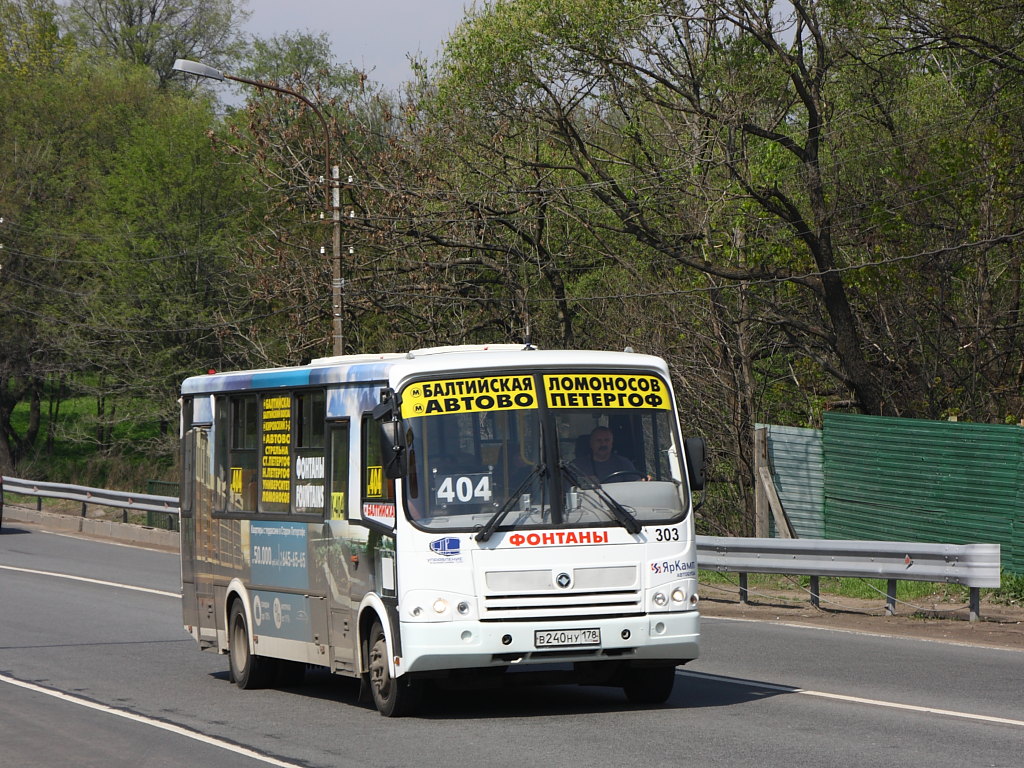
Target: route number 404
464,489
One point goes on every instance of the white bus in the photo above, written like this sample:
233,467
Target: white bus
453,514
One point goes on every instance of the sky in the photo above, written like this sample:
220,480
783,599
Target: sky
373,35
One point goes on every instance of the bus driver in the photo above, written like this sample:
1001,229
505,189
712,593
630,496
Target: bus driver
602,462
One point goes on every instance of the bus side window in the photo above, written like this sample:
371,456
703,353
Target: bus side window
240,416
375,487
309,477
339,471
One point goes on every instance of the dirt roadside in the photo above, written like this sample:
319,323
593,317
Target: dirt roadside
1001,626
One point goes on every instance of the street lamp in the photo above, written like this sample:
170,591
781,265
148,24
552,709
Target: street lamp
331,189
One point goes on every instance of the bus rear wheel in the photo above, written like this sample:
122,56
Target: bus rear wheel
393,696
248,670
649,685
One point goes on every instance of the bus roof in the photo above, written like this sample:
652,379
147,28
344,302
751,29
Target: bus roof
397,366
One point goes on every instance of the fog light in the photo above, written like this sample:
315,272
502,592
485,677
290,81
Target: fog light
463,608
416,611
694,599
506,639
659,598
440,605
678,595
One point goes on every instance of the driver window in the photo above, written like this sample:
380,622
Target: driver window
375,486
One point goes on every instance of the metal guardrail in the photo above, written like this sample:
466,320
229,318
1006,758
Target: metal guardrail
129,502
972,565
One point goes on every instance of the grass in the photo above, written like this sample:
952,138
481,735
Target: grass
138,448
1012,590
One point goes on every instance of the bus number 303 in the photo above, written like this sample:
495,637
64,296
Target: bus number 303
666,534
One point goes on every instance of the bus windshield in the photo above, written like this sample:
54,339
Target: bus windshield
549,453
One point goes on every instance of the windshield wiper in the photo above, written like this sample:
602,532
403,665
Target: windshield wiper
495,520
619,512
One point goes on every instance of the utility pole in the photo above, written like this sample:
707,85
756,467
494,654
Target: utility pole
337,281
332,184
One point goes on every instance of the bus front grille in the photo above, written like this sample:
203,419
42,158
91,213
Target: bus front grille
600,591
562,605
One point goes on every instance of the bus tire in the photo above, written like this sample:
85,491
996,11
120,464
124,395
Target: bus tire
248,671
393,697
649,685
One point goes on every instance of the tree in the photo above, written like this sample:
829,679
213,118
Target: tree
33,171
154,33
29,36
664,78
112,279
724,145
282,140
159,232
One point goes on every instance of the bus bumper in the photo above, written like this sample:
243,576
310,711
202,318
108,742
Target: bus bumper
468,644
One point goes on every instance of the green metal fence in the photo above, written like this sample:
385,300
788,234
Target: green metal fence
795,457
894,479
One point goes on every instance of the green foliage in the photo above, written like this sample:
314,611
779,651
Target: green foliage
913,593
302,58
158,240
29,37
144,450
506,49
906,591
153,35
798,214
114,271
1011,590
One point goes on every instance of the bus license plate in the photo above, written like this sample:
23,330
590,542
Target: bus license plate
561,638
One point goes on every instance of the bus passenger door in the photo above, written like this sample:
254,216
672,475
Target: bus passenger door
337,562
196,520
187,525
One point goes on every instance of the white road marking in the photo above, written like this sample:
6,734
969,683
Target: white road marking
170,727
91,581
865,633
110,542
856,699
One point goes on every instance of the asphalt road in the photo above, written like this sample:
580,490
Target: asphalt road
95,674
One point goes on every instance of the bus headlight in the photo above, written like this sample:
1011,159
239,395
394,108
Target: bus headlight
676,595
423,605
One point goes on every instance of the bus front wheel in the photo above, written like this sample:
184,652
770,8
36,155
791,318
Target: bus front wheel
649,685
248,670
393,696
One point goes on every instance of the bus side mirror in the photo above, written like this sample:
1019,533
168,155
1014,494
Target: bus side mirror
392,447
392,451
694,448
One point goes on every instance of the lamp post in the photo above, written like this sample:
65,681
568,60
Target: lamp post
331,188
